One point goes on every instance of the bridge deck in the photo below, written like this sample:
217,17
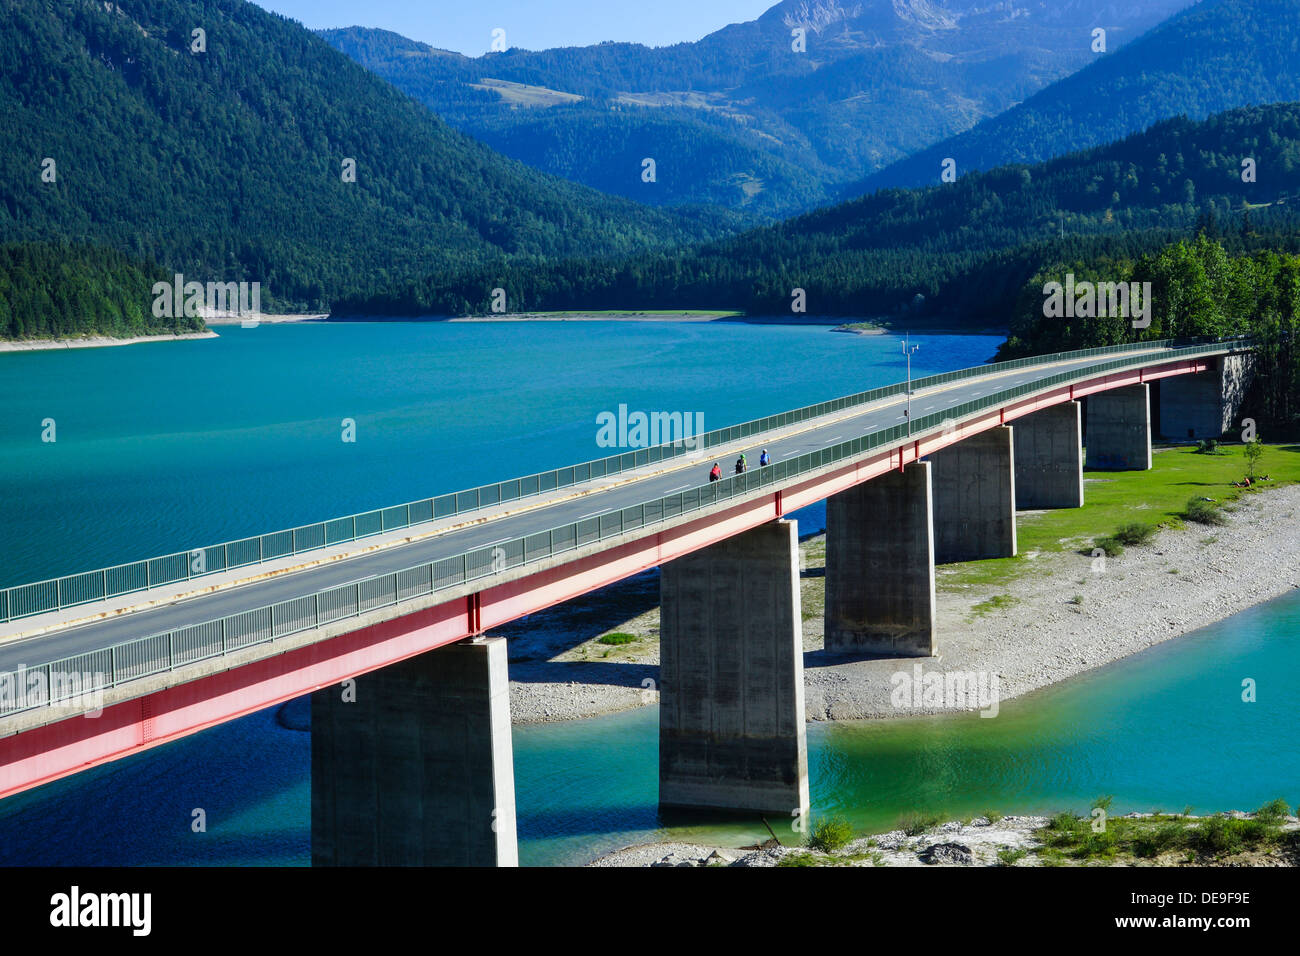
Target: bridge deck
51,637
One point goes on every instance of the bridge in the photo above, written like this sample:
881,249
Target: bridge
382,617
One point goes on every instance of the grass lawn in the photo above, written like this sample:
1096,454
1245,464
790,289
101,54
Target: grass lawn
1117,498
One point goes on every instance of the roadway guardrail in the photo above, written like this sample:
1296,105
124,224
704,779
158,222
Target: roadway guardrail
98,670
72,590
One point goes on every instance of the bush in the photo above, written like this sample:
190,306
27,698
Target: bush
1110,546
1067,824
1156,840
831,835
1066,831
618,638
1097,844
1204,512
1135,533
1209,446
914,824
1217,835
1254,832
1273,812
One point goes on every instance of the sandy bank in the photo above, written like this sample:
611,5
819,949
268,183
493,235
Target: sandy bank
94,342
611,317
829,321
260,318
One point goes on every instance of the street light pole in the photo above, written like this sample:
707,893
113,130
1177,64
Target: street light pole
908,351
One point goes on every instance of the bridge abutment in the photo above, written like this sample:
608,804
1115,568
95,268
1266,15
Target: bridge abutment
1049,458
1119,429
418,769
1205,405
731,708
880,566
975,498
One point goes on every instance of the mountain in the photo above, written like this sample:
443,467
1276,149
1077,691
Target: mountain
960,252
739,118
1216,56
227,162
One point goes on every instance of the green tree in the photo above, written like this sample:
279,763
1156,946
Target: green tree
1254,451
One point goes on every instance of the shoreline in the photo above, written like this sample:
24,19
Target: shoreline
976,842
108,341
261,318
835,323
96,341
1060,620
685,315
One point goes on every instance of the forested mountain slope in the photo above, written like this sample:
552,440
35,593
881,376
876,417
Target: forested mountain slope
227,162
960,251
1216,56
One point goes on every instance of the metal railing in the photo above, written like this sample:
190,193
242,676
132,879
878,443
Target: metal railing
72,677
27,600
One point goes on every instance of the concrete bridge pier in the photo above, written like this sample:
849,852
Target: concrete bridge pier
731,707
1205,405
880,566
417,770
975,498
1119,429
1049,458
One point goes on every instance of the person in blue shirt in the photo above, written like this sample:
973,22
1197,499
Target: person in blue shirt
764,460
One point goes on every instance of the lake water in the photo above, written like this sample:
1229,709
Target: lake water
161,447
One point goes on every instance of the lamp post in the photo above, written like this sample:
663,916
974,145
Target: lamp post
908,351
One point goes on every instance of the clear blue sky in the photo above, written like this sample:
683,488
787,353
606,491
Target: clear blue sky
466,25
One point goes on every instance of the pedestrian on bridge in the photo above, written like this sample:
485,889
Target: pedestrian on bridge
716,473
764,459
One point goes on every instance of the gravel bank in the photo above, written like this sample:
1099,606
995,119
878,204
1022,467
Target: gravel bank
1184,580
94,342
976,842
895,848
260,318
1065,617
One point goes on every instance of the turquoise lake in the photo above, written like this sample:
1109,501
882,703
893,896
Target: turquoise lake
162,447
